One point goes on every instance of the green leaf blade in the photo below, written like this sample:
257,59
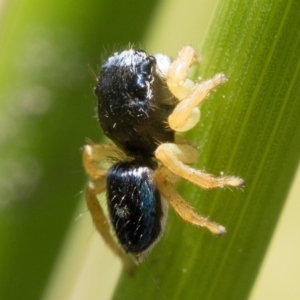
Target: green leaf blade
249,128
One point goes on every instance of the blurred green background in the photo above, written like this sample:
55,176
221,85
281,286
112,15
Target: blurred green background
50,55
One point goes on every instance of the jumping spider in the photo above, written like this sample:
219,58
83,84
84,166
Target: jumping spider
142,101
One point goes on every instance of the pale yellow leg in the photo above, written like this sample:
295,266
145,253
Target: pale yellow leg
184,210
101,222
186,114
172,155
176,79
93,154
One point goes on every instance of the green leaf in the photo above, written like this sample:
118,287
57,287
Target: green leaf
249,127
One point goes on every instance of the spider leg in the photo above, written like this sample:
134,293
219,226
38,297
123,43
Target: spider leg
183,209
186,114
93,154
176,77
172,156
101,222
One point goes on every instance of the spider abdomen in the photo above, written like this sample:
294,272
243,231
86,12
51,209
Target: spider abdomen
134,205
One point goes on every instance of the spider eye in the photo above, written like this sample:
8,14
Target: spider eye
145,68
140,89
141,80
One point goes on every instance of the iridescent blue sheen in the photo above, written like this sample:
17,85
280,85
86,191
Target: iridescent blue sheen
134,205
